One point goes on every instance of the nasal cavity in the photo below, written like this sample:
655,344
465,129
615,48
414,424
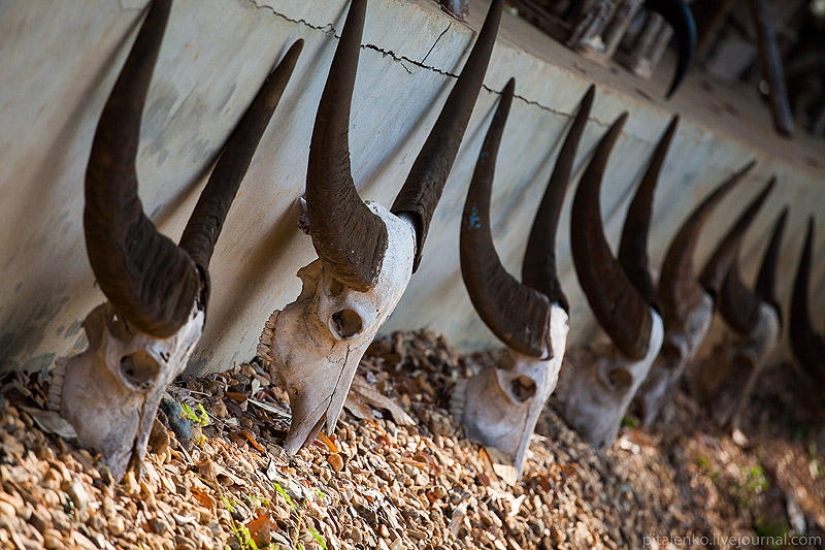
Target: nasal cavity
346,323
139,368
522,388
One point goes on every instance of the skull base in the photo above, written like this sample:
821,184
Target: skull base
500,406
597,386
726,379
313,346
110,392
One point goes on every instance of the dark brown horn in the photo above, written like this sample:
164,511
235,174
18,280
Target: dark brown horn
205,223
149,280
347,235
619,308
538,270
420,194
739,305
807,345
766,280
716,269
517,314
679,290
679,16
633,246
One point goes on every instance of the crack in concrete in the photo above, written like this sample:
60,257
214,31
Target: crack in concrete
329,30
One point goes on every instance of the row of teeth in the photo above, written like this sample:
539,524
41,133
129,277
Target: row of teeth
55,398
264,342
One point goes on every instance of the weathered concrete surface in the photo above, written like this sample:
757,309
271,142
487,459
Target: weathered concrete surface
58,61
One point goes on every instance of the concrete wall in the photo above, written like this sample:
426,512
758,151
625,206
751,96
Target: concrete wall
58,61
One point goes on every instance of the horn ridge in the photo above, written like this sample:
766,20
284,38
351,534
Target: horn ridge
766,280
633,245
517,314
151,282
422,190
538,269
206,222
807,345
678,15
619,308
349,238
716,269
679,290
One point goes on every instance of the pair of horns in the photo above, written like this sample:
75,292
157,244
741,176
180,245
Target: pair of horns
518,313
347,235
679,289
620,292
807,345
151,282
739,305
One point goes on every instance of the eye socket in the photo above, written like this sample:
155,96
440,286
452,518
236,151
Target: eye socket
670,352
139,368
523,388
620,379
346,323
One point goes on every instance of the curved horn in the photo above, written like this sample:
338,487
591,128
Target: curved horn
716,269
420,194
149,280
766,280
739,305
347,235
679,291
807,345
633,246
517,314
678,15
538,270
205,223
619,308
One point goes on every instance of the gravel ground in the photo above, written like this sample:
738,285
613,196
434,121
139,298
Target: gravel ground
399,474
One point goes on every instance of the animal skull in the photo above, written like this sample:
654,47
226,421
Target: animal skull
366,253
727,377
313,346
678,349
501,405
141,339
596,387
687,308
111,391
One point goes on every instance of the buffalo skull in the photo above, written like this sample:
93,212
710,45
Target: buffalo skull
596,386
725,379
366,254
501,405
142,338
687,309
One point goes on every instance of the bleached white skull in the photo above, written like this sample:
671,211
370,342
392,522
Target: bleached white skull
313,346
366,253
500,405
110,392
726,379
596,386
728,376
142,338
678,348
